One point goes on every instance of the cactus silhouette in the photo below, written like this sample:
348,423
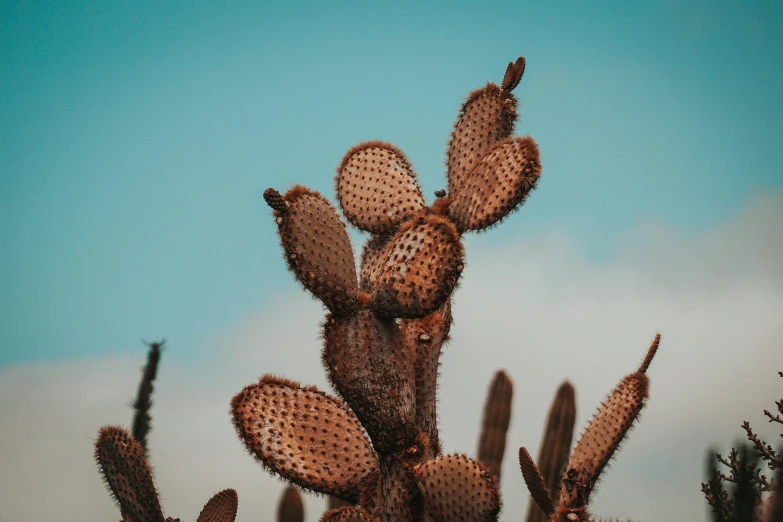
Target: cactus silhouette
378,447
595,448
290,507
128,476
143,402
555,445
494,425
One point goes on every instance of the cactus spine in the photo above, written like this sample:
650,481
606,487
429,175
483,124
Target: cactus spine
555,445
497,415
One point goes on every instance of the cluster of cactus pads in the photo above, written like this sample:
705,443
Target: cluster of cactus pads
375,449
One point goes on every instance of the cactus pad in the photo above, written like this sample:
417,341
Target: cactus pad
487,116
290,508
377,187
498,183
535,482
497,416
421,267
425,338
458,488
372,368
348,514
221,508
601,438
316,245
127,474
304,435
371,266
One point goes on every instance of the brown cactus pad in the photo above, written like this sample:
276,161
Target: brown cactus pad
487,116
128,474
372,368
555,445
425,338
457,488
535,483
371,264
422,265
221,508
317,249
497,416
601,438
497,184
305,436
290,508
377,187
348,514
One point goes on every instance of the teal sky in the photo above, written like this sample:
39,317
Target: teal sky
136,138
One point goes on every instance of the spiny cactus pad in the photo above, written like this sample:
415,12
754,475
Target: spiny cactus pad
317,248
372,368
127,474
421,267
457,488
497,416
425,338
377,187
555,446
347,514
500,181
221,508
371,265
604,434
305,436
535,482
290,508
487,116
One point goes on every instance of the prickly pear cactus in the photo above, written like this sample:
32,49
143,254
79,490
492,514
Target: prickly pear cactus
377,447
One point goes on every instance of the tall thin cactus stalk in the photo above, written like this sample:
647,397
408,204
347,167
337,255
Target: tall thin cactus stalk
555,446
495,422
143,403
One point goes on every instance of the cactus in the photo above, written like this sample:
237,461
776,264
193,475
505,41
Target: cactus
595,448
555,445
143,402
290,507
128,476
497,415
384,333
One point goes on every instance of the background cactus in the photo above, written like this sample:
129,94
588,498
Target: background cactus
143,402
494,424
595,448
555,446
290,507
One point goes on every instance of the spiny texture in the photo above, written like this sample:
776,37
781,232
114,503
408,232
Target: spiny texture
220,508
317,248
457,488
497,184
603,436
538,488
372,368
421,266
127,474
555,445
143,402
290,507
425,337
377,188
347,514
304,435
497,415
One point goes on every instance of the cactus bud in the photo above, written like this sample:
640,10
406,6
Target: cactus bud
221,508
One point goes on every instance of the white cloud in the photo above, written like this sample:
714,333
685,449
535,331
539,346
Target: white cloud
537,308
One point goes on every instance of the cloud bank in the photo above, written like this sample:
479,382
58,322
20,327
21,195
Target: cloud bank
537,308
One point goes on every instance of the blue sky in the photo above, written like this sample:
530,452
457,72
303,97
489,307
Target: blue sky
136,139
